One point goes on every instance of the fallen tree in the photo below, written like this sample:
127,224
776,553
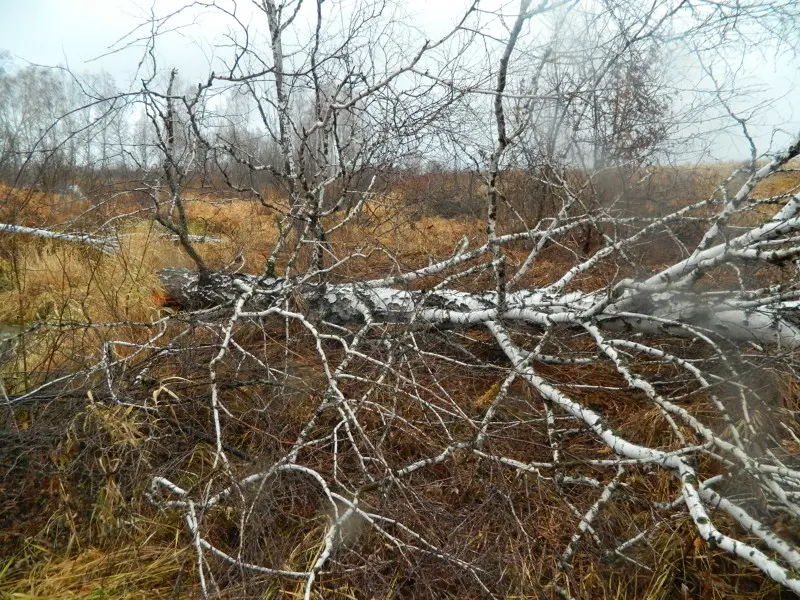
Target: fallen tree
628,318
107,245
666,302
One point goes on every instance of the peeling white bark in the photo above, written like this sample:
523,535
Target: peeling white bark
730,316
105,244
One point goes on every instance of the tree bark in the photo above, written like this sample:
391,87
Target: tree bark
675,313
108,245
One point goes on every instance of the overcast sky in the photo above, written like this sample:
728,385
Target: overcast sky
80,32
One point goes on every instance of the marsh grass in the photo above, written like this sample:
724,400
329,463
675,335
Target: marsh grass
75,518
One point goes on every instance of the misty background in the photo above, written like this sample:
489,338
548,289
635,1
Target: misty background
105,43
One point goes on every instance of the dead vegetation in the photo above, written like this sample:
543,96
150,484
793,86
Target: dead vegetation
76,519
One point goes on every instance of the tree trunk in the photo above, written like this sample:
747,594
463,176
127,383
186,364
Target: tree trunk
673,313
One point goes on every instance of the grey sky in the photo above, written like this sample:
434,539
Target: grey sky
77,32
81,32
52,32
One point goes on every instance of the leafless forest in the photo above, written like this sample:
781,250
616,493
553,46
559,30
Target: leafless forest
367,312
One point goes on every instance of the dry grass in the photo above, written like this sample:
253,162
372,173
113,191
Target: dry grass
61,284
87,535
79,526
128,573
34,208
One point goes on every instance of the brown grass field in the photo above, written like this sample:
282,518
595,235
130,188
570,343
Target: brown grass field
75,522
